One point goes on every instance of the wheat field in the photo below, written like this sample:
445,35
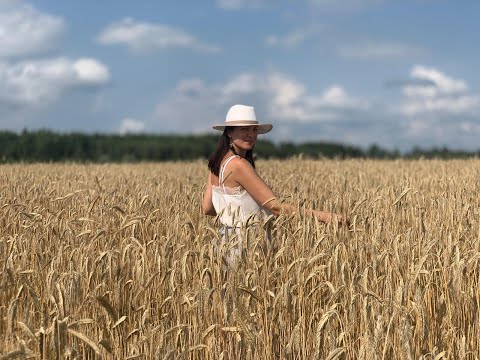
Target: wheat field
116,261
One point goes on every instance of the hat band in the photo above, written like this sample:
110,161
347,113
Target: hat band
241,122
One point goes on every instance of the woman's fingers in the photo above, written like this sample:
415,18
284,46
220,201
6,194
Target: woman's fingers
341,219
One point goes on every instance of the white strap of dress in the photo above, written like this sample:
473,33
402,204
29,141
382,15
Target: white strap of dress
222,172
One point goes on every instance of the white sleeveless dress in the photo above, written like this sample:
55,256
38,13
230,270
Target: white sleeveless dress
236,210
235,206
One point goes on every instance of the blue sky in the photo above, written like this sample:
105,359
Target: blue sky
398,73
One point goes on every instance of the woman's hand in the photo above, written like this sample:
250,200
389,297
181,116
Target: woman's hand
340,219
327,217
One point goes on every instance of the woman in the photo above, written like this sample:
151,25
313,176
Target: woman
234,189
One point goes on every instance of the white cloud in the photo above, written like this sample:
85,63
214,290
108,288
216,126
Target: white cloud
288,99
240,4
284,90
332,114
130,125
323,4
440,93
458,105
280,89
440,84
26,31
437,109
345,4
190,87
368,50
195,106
469,127
147,37
429,131
6,4
90,71
293,38
336,97
40,82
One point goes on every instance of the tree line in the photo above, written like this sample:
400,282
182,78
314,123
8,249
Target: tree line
49,146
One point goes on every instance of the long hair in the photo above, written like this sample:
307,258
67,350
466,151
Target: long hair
223,145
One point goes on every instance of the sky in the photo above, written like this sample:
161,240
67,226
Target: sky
396,73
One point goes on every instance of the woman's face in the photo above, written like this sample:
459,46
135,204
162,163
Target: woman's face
244,137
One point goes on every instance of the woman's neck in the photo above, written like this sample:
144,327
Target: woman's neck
240,152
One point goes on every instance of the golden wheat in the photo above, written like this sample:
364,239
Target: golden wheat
117,261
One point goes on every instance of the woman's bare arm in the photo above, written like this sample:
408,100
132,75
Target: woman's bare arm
207,204
247,177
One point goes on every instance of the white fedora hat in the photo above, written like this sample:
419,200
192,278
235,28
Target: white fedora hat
242,115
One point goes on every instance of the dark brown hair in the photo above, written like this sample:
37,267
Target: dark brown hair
223,145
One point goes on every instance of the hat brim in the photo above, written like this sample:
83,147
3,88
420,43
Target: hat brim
262,128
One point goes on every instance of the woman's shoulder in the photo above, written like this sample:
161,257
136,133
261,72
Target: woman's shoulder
239,163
